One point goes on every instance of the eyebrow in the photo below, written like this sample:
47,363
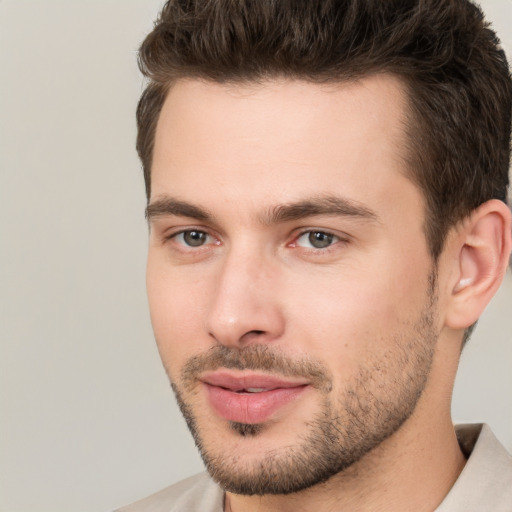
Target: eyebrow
171,206
320,205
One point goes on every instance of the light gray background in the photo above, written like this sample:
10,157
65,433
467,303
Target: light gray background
87,419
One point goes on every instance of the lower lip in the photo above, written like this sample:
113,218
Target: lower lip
250,408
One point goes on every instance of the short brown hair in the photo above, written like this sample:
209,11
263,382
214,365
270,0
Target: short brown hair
457,77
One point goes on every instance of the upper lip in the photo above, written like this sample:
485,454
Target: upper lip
241,381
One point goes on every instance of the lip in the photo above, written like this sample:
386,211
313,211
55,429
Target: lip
227,395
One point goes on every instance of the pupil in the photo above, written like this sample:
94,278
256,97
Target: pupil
320,240
194,238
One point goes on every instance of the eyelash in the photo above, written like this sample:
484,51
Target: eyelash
333,239
183,232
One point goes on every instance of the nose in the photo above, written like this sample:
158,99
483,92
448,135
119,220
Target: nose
245,305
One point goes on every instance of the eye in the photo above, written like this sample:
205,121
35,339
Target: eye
192,238
316,239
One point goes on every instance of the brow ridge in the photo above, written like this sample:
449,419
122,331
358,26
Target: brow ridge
170,206
323,205
320,205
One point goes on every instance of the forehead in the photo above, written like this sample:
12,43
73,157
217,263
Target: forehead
279,140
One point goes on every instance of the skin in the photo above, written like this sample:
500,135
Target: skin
238,153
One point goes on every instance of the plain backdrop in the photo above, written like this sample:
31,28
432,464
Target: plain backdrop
87,418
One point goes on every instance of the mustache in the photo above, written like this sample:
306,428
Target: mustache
257,358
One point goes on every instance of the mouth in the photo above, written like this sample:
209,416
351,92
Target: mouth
250,398
253,390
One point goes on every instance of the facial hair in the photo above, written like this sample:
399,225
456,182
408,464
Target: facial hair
370,409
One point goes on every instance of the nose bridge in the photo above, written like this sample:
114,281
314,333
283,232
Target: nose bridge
244,305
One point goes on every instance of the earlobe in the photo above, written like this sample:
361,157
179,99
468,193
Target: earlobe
482,258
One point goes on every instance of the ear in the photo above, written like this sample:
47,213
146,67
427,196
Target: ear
482,256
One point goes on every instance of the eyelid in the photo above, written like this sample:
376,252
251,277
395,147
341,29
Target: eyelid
173,233
339,238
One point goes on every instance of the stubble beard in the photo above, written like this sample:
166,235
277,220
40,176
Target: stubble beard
383,396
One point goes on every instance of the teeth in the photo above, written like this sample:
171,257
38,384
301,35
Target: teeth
255,390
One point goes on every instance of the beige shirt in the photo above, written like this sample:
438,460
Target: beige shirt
485,484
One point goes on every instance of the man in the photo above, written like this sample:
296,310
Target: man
327,185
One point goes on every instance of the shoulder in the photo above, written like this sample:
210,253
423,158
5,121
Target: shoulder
198,492
486,481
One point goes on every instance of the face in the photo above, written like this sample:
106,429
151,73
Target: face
291,291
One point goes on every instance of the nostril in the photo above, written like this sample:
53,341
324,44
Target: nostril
254,335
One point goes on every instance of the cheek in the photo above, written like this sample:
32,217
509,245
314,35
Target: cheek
357,312
176,310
